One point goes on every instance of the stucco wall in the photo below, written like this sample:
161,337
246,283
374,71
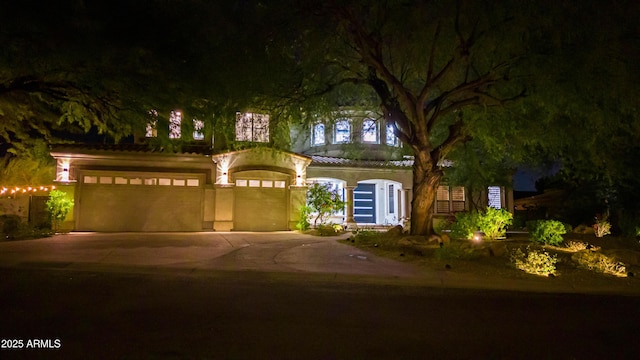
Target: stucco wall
15,206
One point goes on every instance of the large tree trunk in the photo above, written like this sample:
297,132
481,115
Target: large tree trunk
426,177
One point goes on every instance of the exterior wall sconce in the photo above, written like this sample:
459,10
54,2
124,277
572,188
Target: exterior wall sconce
63,170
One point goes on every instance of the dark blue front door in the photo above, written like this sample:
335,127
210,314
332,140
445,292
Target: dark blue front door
364,203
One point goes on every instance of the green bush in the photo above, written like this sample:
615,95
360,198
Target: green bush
548,232
9,224
327,230
493,222
323,202
534,262
465,225
12,228
58,206
303,218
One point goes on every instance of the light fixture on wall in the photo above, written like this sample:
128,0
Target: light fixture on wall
63,173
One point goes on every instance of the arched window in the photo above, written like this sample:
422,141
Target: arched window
342,131
198,129
370,131
151,130
317,137
175,125
392,139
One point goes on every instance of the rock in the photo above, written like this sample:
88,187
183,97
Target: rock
395,231
497,249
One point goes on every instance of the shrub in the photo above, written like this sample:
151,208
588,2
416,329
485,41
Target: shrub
465,225
599,262
548,232
58,206
493,222
324,202
327,229
9,224
535,262
579,245
602,227
303,218
12,227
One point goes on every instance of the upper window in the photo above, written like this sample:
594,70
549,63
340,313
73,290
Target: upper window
152,125
494,197
175,125
198,129
342,131
392,139
370,131
252,127
317,137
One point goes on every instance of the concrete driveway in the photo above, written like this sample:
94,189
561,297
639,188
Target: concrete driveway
195,252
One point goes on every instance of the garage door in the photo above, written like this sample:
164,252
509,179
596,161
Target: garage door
364,203
260,205
140,202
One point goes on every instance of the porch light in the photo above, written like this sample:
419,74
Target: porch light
63,170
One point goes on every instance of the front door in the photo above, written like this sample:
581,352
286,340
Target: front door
364,203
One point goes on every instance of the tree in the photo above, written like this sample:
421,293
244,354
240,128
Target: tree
323,202
487,85
427,64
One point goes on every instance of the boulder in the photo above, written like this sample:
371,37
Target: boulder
395,231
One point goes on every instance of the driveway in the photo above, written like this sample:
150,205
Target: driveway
196,252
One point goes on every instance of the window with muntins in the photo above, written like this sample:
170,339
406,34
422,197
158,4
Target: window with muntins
252,127
342,132
317,137
151,130
391,138
450,199
494,197
175,125
370,131
198,129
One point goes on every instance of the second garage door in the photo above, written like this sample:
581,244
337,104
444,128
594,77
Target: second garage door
260,204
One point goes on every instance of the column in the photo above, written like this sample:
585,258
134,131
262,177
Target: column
350,221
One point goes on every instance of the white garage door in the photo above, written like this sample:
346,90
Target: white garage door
260,205
139,202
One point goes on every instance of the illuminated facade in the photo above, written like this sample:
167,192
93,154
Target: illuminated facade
207,187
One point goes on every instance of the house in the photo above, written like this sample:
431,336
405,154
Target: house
208,185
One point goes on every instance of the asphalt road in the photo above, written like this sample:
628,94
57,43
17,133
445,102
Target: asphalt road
203,308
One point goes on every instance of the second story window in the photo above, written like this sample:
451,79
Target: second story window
342,133
198,129
392,139
252,127
370,131
317,137
175,125
151,130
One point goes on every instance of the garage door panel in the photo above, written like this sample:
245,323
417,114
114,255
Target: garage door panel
260,209
112,207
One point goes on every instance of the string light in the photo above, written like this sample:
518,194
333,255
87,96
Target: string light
18,190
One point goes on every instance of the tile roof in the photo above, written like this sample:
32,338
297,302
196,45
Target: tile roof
133,148
335,161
